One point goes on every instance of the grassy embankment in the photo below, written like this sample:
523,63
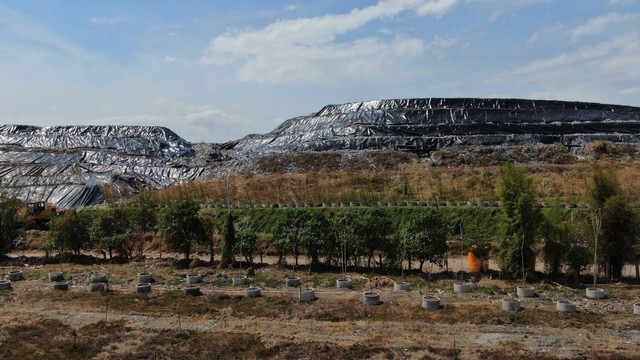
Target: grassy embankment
409,180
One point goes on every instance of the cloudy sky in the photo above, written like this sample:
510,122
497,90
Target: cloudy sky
218,70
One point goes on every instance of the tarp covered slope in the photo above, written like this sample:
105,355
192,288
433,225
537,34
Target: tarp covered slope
426,125
70,166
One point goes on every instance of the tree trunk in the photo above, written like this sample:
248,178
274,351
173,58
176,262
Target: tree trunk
211,251
369,262
637,266
421,264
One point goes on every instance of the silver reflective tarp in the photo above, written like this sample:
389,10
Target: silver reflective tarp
72,166
426,125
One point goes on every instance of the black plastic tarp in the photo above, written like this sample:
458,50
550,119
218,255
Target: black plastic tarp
426,125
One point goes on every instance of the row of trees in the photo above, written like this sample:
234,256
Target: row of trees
367,237
608,230
122,231
351,238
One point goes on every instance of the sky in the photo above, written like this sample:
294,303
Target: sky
218,70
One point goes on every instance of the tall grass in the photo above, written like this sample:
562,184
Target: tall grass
414,181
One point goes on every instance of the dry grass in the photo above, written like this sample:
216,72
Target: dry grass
51,339
225,324
416,181
172,344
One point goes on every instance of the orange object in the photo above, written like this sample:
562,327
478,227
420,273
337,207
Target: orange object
474,262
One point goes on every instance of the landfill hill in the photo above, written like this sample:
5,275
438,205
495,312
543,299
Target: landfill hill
74,166
426,125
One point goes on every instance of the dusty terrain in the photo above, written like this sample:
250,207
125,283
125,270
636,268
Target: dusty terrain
39,322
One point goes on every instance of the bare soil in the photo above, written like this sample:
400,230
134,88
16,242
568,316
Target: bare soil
39,323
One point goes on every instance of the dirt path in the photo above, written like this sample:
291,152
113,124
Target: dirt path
455,262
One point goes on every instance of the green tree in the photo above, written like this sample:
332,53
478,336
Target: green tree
246,240
377,229
181,226
70,231
557,232
618,222
424,237
142,223
286,233
107,230
9,223
314,235
213,223
521,221
566,241
306,230
349,230
601,186
619,235
228,243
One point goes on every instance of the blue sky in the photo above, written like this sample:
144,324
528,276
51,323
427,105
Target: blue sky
219,70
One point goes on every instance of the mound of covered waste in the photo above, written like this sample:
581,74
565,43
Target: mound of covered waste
71,166
425,125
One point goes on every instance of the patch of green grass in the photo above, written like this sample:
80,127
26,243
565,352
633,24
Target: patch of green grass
262,280
176,281
490,290
358,284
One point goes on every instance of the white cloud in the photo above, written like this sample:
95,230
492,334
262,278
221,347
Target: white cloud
599,24
34,37
105,20
147,119
607,71
210,115
548,31
630,91
292,7
501,7
444,41
307,49
438,7
583,54
620,2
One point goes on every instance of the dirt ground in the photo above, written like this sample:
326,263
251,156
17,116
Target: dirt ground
38,322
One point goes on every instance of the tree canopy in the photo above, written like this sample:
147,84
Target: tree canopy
9,223
522,220
181,226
